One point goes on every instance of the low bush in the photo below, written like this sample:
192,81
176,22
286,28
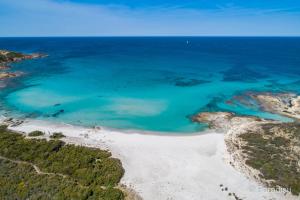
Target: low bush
57,135
36,133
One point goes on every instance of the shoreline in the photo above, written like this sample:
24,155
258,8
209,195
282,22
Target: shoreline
20,120
164,166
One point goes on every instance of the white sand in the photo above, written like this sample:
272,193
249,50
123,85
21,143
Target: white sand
166,167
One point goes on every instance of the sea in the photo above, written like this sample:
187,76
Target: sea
146,83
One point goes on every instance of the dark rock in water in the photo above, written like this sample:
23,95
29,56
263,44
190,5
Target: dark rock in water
229,102
33,115
244,99
241,73
212,105
17,123
189,82
58,113
58,104
276,86
6,75
8,120
4,67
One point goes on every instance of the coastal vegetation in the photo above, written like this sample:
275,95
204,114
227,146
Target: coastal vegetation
41,169
57,135
275,152
36,133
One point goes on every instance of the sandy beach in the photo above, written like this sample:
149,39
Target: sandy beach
166,167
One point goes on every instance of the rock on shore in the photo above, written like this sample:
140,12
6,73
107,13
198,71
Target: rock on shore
223,121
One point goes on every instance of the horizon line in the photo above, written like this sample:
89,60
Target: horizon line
148,36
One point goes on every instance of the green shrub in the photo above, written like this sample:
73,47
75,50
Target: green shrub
2,58
36,133
14,55
3,127
57,135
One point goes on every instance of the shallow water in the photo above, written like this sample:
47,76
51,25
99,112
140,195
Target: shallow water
150,84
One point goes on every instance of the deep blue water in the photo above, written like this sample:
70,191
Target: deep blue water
146,83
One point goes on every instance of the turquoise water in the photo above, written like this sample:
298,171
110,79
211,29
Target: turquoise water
151,84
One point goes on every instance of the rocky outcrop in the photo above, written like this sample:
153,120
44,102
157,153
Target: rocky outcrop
10,56
266,150
223,121
286,104
7,57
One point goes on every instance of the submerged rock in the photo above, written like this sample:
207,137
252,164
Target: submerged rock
189,82
58,113
213,105
241,73
33,115
4,67
5,75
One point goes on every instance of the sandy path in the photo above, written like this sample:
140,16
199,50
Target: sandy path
36,168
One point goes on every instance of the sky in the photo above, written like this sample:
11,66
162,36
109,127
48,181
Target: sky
149,18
